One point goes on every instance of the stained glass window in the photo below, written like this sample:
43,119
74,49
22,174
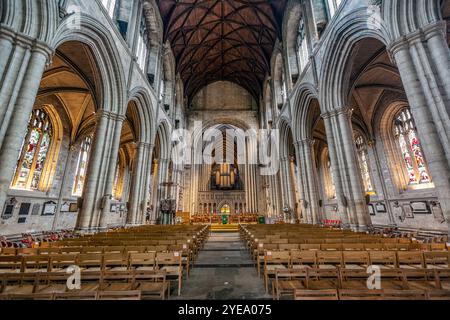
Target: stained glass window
302,45
118,181
329,178
411,150
363,160
142,46
83,160
35,149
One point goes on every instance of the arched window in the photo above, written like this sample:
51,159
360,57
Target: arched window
142,46
302,45
34,153
410,148
110,6
363,161
83,160
118,180
328,177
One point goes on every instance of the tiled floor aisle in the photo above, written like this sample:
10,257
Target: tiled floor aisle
224,270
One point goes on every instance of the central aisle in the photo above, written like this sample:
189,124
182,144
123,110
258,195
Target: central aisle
224,270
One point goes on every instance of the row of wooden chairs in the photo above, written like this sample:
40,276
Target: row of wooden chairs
296,259
315,282
171,262
150,284
387,295
260,247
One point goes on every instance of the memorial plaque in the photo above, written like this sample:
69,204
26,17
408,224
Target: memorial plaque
24,209
35,209
49,208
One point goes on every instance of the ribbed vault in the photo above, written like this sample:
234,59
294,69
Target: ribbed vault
228,40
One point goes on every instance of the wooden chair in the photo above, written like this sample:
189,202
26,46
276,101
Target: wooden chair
119,295
115,261
383,259
274,260
152,284
410,260
60,262
316,295
10,263
404,295
142,261
438,295
34,296
329,259
37,263
90,261
322,279
112,280
171,263
303,259
356,259
437,259
76,295
52,282
18,283
287,281
360,294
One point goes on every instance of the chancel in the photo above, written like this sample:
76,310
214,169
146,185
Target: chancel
226,149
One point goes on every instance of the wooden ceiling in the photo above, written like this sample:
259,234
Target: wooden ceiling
229,40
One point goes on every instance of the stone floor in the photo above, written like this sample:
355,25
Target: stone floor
223,271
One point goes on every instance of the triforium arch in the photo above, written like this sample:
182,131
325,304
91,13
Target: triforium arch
337,113
110,115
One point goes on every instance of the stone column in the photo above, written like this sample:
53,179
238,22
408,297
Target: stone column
137,180
310,176
15,111
430,113
349,189
101,172
145,192
301,178
110,174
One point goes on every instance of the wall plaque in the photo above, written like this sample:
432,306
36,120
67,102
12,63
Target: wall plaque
371,210
381,208
49,208
24,209
35,209
420,207
9,209
65,207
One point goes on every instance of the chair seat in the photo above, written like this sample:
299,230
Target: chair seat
355,267
354,284
410,266
300,266
145,269
437,266
54,288
118,269
322,285
9,271
89,286
327,266
26,289
118,287
288,285
272,267
36,270
152,287
172,270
